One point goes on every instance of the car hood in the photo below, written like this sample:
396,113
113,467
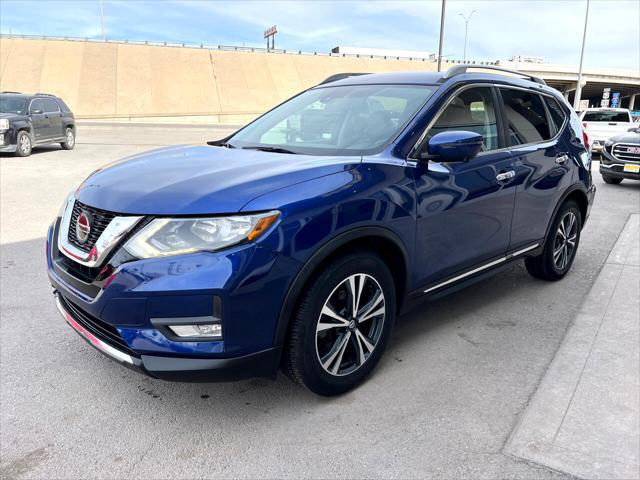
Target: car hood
629,137
12,116
195,180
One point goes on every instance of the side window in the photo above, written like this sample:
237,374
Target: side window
50,105
36,105
471,110
526,117
557,114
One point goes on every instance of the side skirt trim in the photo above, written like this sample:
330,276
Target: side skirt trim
481,268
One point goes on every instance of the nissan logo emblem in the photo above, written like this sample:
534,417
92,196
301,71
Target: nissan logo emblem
83,226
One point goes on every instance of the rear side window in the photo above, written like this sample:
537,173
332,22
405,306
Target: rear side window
63,106
526,117
50,105
471,110
606,117
557,114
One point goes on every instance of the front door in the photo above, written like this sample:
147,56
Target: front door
39,120
465,208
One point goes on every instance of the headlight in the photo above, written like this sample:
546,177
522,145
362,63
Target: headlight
63,207
4,124
176,236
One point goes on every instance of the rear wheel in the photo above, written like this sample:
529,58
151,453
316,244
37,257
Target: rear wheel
24,145
69,139
342,324
560,247
611,180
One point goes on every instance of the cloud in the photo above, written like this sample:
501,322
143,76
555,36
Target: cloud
499,29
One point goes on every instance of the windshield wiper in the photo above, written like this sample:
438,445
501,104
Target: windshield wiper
270,149
221,143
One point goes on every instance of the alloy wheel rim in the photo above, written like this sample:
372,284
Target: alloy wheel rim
565,241
350,324
25,144
70,139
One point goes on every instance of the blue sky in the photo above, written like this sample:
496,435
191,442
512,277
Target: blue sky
500,28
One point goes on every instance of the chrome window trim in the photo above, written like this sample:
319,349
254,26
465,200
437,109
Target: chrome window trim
110,237
481,268
415,146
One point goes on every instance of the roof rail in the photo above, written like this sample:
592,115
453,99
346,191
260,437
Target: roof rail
42,94
341,76
9,91
460,69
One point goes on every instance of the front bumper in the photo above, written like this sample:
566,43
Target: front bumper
115,316
615,168
258,364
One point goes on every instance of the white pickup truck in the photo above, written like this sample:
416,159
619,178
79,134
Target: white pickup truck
603,123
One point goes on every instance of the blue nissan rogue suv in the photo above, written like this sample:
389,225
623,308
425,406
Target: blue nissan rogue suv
296,241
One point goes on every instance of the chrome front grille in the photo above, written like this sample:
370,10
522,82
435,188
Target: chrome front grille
626,152
100,221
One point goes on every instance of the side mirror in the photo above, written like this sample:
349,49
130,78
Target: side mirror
36,111
454,146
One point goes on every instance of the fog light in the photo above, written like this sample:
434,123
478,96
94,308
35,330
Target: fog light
209,330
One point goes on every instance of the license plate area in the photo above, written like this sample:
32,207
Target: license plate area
632,168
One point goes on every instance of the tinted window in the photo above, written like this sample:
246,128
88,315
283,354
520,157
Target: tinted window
339,120
63,106
526,117
556,112
36,105
12,104
606,117
50,105
471,110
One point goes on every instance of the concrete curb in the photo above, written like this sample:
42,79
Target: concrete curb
585,417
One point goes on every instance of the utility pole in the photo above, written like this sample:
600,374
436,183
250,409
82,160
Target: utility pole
441,35
104,38
466,28
578,94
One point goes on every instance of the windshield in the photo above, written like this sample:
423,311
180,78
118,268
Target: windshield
340,120
12,104
606,117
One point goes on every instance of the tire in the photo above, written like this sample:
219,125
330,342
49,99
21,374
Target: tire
24,145
332,353
560,247
70,139
611,180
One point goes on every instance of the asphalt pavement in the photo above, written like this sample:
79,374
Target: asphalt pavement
444,401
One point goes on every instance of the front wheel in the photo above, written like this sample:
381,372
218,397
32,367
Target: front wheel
24,145
69,139
342,324
561,245
611,180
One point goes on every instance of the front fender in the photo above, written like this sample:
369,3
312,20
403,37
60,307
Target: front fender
318,210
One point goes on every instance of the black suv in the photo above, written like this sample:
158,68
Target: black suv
30,120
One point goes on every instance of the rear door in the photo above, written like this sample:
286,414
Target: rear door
54,115
464,209
541,159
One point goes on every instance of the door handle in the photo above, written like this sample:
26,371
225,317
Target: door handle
562,159
505,176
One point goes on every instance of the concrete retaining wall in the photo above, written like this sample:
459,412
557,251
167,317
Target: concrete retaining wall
110,80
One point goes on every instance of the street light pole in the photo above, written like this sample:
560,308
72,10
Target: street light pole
104,38
578,94
441,34
466,28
